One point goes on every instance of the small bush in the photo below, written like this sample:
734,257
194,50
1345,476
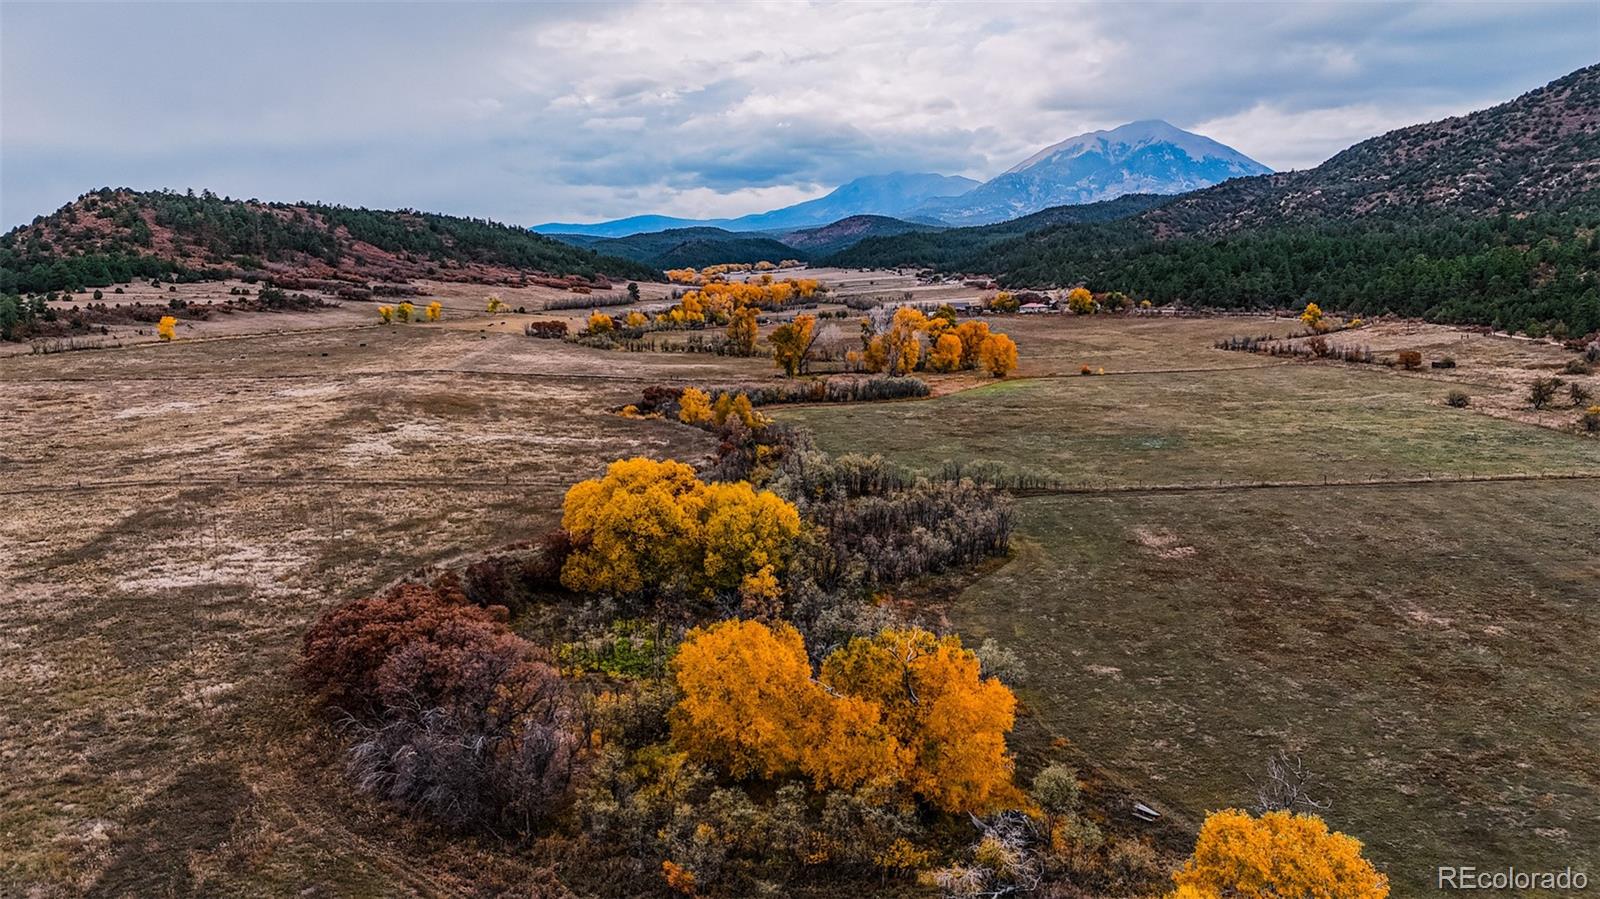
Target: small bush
1579,394
1458,399
1591,420
1409,360
995,660
1543,391
1056,790
1573,367
515,579
347,654
453,714
468,772
545,329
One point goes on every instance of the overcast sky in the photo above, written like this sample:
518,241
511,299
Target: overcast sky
529,113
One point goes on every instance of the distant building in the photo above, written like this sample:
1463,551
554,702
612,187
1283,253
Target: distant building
1032,308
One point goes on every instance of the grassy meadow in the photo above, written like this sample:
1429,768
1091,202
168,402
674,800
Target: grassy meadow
1426,649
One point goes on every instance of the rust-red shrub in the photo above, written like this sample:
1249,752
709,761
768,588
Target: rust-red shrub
345,651
545,329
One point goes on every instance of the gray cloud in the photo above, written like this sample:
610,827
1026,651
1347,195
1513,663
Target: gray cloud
528,113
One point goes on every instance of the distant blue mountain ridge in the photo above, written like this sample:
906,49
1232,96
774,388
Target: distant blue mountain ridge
895,195
1145,157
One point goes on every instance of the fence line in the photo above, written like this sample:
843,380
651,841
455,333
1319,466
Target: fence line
1090,489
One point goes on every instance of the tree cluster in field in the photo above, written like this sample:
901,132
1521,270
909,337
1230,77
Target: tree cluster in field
717,301
714,271
905,339
25,319
873,524
589,301
667,401
406,312
1546,393
1316,345
454,716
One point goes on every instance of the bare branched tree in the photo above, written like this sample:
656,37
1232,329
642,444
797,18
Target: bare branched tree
1289,786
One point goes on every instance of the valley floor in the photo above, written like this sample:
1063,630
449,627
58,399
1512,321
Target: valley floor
178,514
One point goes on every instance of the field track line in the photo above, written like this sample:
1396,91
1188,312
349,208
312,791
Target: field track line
1076,375
1141,489
485,482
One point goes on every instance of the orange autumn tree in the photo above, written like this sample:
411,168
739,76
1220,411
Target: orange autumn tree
972,335
649,525
746,536
742,329
636,527
1080,300
901,343
904,707
946,355
998,353
748,701
167,328
899,348
1314,317
694,406
948,721
791,343
736,406
1276,855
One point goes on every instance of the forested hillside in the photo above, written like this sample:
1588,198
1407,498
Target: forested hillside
959,249
110,236
1540,151
847,232
1535,273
